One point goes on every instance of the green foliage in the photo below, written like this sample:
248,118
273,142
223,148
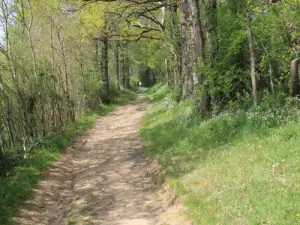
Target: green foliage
157,92
123,97
237,167
228,74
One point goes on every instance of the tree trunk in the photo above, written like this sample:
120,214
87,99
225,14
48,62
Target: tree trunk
117,64
211,11
253,61
54,98
175,63
123,68
9,57
294,78
99,71
70,108
197,41
168,77
198,35
28,28
188,57
211,30
10,124
1,128
271,79
197,30
83,79
65,63
127,73
163,16
12,70
105,68
192,46
1,141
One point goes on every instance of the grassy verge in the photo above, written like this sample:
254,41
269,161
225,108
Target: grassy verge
239,167
16,188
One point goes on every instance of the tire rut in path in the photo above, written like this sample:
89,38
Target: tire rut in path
100,179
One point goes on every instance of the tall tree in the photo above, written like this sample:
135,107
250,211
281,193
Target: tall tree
252,60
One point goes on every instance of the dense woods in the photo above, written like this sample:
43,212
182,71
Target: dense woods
63,58
60,58
57,63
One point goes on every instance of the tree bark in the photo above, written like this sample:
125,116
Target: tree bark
211,13
12,69
271,79
211,30
83,78
127,72
10,124
1,128
70,109
252,60
117,64
197,41
188,57
294,78
8,53
54,101
1,141
163,16
105,68
176,47
64,57
28,28
168,77
192,46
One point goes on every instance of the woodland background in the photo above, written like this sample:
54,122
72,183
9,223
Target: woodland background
63,59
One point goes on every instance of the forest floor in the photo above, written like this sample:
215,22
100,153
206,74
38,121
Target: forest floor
103,177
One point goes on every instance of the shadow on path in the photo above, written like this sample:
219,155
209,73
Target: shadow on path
100,179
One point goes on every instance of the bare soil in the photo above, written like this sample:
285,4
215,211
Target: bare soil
103,178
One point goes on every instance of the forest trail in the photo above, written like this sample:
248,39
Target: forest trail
100,179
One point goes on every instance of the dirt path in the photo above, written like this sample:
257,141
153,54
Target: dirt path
101,178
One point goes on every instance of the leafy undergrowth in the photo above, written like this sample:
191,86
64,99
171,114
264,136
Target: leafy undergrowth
16,187
240,167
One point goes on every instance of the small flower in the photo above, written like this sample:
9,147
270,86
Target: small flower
298,214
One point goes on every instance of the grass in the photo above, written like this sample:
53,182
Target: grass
16,188
239,167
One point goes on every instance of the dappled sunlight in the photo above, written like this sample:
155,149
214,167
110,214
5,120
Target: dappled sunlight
101,179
